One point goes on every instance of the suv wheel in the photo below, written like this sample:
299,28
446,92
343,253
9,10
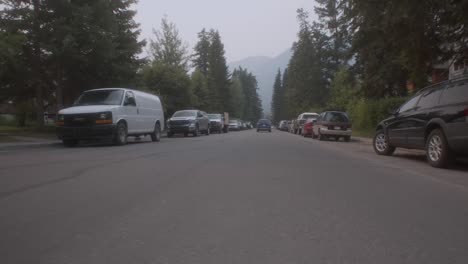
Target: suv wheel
196,132
121,134
156,135
437,150
380,144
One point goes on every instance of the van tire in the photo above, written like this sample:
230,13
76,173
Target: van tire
121,134
156,135
69,143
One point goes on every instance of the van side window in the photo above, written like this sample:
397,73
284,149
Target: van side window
430,98
409,105
129,99
455,93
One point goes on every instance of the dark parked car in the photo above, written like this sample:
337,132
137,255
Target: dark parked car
435,120
332,124
217,123
188,121
263,125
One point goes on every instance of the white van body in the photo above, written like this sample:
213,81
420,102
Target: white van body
140,115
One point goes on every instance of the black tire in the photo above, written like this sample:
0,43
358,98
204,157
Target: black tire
438,152
121,134
320,136
347,138
380,144
156,135
196,133
170,134
69,143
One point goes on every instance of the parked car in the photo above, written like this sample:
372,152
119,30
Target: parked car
114,113
242,125
188,122
435,119
234,125
264,125
248,125
307,128
300,121
283,125
332,124
217,123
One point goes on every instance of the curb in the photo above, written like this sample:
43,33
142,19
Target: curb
24,145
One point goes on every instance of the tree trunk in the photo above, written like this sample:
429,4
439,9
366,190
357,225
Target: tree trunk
39,91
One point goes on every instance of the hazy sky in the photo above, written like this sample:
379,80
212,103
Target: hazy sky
247,27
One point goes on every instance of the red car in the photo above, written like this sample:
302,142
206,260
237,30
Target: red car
307,129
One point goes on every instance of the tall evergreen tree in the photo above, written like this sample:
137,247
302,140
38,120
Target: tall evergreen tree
218,75
276,98
168,48
202,49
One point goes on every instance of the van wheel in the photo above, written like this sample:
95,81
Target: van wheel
69,143
381,145
438,152
156,135
121,134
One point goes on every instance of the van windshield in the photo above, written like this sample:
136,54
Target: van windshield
100,97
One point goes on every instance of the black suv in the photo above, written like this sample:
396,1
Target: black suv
435,119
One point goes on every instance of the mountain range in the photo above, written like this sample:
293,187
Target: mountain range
265,69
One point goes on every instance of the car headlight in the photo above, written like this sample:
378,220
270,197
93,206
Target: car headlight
105,115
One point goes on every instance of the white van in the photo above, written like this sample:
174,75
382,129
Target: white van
111,113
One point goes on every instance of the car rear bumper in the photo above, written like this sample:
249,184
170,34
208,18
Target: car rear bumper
330,132
93,132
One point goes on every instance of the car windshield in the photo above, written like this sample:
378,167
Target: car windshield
101,97
185,113
336,117
214,116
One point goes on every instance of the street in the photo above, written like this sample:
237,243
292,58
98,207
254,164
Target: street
242,197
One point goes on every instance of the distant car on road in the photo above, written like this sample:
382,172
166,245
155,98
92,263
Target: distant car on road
114,113
283,125
264,125
188,122
435,120
234,125
333,124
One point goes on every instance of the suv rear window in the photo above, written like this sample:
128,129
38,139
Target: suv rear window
336,117
454,94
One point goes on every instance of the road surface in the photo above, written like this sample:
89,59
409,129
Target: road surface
244,197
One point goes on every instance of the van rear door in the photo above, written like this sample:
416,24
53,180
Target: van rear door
130,112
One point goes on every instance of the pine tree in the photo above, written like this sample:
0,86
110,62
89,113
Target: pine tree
218,75
168,48
202,49
276,98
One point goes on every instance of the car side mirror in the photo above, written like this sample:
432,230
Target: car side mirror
393,112
129,101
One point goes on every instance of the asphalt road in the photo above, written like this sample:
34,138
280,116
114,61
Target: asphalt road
243,197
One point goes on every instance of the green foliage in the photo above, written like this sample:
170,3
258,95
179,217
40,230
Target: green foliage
245,89
172,84
277,98
200,90
168,48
